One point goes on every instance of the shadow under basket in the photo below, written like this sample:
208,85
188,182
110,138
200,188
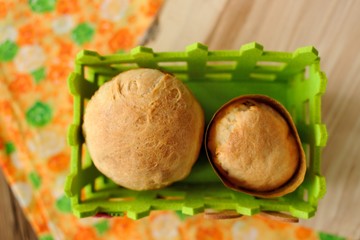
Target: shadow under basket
292,78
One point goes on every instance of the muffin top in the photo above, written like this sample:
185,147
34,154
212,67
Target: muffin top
252,146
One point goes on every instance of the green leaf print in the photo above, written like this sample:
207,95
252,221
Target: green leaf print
39,114
35,179
82,33
63,204
9,148
102,227
42,6
326,236
46,237
38,75
8,50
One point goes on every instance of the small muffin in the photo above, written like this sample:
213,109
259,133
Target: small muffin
254,148
144,129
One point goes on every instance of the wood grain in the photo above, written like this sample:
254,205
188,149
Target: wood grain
13,224
332,26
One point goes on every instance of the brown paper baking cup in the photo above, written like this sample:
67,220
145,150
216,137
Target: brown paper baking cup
224,214
279,216
298,176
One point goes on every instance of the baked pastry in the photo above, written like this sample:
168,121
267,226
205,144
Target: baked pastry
144,129
254,146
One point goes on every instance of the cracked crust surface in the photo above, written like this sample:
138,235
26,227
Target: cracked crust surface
144,129
253,146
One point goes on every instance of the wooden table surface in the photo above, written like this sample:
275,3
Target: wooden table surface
332,26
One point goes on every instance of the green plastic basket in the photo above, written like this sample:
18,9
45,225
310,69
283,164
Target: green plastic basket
215,77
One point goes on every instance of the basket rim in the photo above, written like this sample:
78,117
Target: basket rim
142,55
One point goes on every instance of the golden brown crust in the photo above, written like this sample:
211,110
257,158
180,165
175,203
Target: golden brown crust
254,148
144,129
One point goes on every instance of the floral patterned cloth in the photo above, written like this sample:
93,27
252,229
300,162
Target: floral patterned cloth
38,42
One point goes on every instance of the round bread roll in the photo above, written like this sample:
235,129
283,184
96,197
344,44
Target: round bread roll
254,148
144,129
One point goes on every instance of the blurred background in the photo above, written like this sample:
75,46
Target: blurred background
38,42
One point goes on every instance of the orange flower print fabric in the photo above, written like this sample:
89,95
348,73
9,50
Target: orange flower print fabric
38,43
